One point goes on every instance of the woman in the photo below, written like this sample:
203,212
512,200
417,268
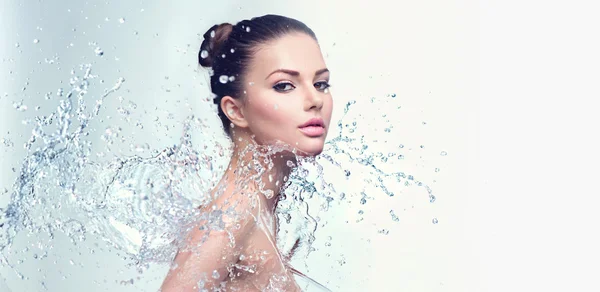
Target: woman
271,86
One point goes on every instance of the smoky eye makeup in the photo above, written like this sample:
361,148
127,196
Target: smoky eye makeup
283,86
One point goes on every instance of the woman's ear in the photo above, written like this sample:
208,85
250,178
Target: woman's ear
232,109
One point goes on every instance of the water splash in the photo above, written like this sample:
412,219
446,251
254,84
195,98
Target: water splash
145,206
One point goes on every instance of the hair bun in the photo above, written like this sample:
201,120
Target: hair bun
213,41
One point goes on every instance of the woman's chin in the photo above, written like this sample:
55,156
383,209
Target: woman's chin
309,152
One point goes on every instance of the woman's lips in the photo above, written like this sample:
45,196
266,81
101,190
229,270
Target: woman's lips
313,131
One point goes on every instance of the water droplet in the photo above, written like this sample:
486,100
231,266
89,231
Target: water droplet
98,51
276,106
434,221
247,29
212,34
444,153
431,198
394,217
422,146
19,106
250,83
393,95
17,45
437,169
35,41
215,274
142,148
122,20
231,78
204,54
223,79
232,50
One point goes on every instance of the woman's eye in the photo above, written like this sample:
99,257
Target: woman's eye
282,87
322,85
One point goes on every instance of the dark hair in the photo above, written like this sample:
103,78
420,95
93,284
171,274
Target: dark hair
228,50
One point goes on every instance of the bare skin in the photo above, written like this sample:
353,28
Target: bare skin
276,104
247,265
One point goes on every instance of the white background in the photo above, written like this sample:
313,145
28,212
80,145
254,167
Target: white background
507,89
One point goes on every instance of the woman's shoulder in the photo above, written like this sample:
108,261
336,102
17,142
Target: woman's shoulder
233,209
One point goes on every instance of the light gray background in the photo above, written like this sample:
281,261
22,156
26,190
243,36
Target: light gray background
508,90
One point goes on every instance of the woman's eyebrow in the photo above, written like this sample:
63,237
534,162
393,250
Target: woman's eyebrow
296,73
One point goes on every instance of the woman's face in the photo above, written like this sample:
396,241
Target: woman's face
286,86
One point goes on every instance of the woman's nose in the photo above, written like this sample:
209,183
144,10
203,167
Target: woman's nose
314,98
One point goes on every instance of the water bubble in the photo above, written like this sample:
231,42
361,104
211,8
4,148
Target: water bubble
444,153
35,41
98,51
204,54
223,79
434,221
122,20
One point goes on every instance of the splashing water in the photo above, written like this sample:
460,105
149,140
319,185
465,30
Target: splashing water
144,207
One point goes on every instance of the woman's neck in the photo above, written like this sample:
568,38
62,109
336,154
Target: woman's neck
269,180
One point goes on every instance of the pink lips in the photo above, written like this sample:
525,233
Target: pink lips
313,127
